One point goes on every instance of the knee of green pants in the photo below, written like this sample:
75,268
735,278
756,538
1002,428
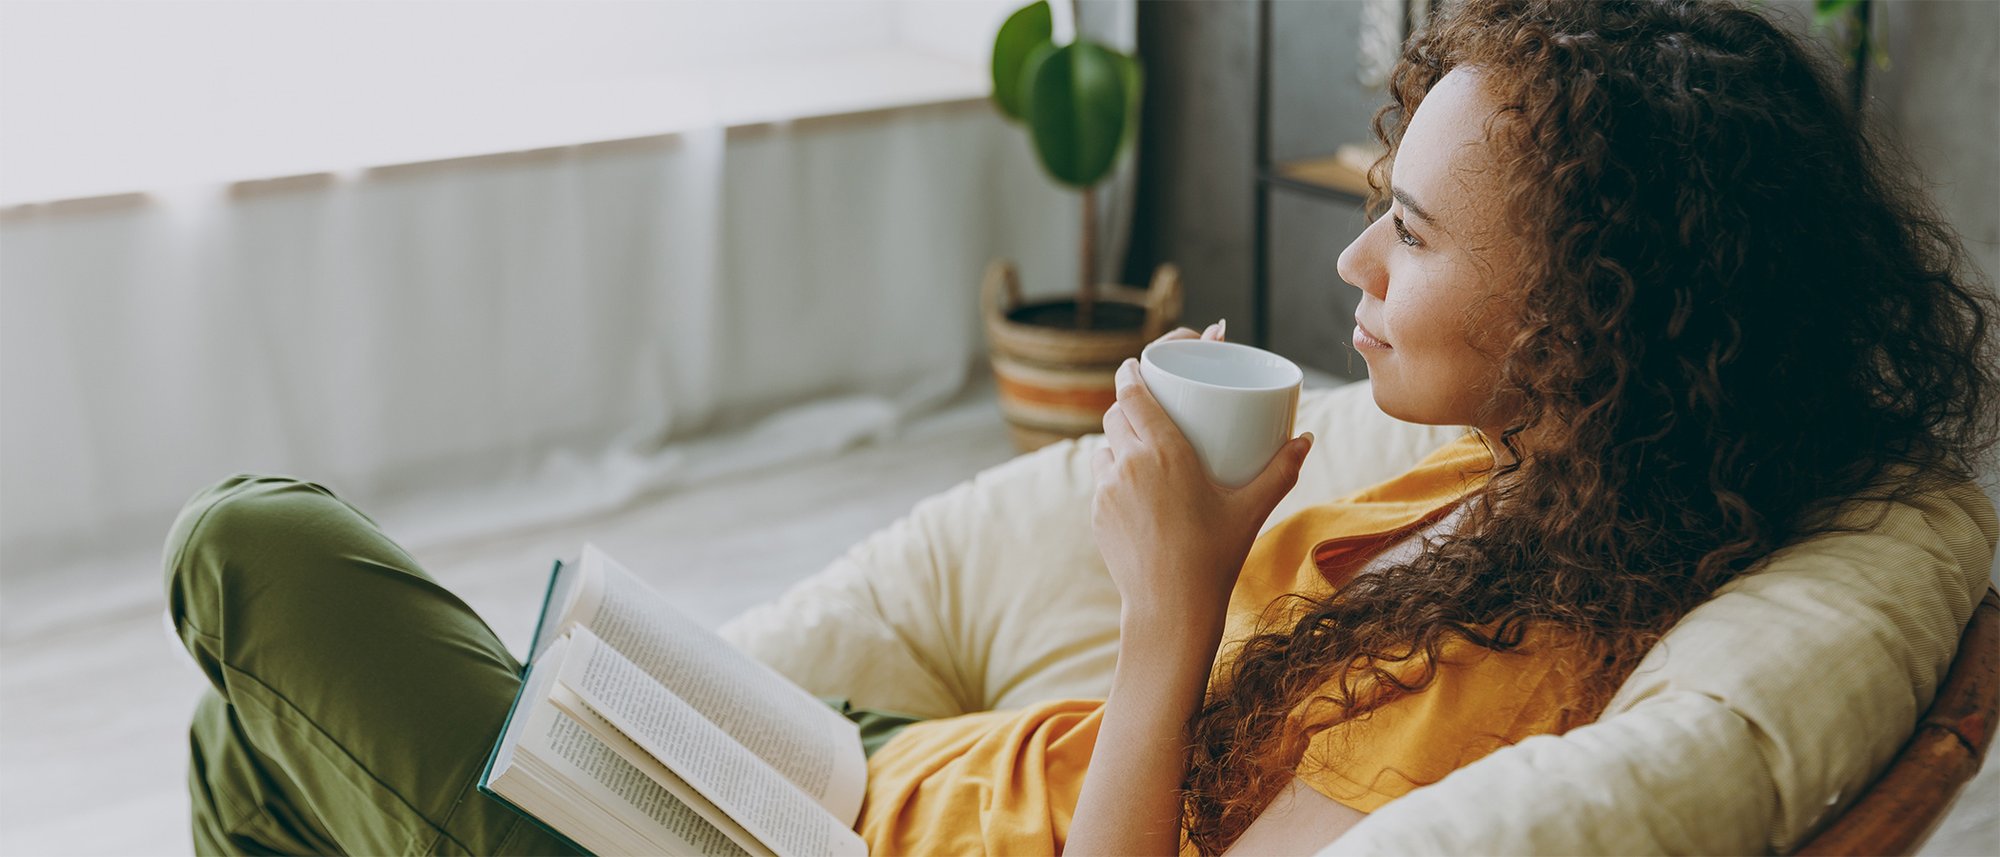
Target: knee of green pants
373,692
221,520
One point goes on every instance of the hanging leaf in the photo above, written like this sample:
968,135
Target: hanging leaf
1134,78
1827,11
1079,110
1029,28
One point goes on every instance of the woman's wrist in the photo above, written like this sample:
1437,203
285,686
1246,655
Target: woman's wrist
1177,599
1169,636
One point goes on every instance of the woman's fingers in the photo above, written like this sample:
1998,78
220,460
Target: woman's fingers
1101,462
1149,421
1118,430
1137,418
1130,388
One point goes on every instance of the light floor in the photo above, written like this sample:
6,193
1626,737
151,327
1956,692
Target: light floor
94,694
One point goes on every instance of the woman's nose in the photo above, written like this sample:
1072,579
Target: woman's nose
1360,264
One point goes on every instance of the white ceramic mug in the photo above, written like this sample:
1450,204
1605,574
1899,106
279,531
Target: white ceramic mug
1234,402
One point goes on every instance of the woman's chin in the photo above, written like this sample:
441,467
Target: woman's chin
1394,401
1384,392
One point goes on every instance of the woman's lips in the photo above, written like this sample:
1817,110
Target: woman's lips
1364,339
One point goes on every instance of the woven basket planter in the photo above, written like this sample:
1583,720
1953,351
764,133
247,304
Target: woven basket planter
1056,381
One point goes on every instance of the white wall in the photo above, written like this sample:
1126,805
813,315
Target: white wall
1941,95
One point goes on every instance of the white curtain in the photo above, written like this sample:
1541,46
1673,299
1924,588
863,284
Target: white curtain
465,347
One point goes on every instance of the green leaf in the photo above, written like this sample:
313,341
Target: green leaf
1080,109
1134,77
1030,27
1825,12
1024,87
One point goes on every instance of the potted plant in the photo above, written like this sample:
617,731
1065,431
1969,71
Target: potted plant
1055,360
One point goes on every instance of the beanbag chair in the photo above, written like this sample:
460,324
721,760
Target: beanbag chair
1753,721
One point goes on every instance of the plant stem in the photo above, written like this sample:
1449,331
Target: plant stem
1086,293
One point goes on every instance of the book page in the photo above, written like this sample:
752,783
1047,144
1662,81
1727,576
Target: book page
782,817
569,595
802,738
608,782
575,592
582,716
587,758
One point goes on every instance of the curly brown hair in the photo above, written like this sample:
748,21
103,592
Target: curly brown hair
1740,314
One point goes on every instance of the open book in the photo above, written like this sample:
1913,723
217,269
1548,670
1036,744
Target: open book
637,731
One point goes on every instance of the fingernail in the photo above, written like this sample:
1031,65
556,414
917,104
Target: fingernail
1309,438
1222,326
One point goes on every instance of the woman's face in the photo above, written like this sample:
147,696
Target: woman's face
1438,269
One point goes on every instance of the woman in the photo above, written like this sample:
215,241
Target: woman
1642,250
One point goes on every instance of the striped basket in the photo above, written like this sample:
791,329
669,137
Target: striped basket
1057,383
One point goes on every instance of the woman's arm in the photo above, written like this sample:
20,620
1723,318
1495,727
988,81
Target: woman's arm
1130,802
1174,543
1137,767
1299,821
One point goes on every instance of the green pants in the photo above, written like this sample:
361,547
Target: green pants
354,699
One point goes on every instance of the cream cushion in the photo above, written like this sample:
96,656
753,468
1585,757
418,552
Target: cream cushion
1758,716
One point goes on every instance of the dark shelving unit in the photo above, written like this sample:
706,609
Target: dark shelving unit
1318,180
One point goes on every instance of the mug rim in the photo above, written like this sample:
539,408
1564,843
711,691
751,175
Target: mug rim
1297,375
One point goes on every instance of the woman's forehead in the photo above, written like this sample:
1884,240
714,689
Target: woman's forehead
1445,158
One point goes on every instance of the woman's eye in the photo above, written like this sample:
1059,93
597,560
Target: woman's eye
1403,233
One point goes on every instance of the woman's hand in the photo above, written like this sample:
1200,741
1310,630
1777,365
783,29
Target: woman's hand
1174,540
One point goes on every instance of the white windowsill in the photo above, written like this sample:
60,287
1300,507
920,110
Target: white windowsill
219,142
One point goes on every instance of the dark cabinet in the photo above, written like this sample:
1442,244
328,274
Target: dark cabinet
1310,310
1246,106
1311,101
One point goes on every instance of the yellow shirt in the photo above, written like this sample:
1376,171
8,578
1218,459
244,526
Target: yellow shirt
1007,782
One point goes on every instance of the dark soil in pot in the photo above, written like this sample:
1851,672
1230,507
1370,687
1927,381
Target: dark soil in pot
1105,315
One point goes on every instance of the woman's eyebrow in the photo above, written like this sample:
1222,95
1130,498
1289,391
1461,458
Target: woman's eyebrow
1404,197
